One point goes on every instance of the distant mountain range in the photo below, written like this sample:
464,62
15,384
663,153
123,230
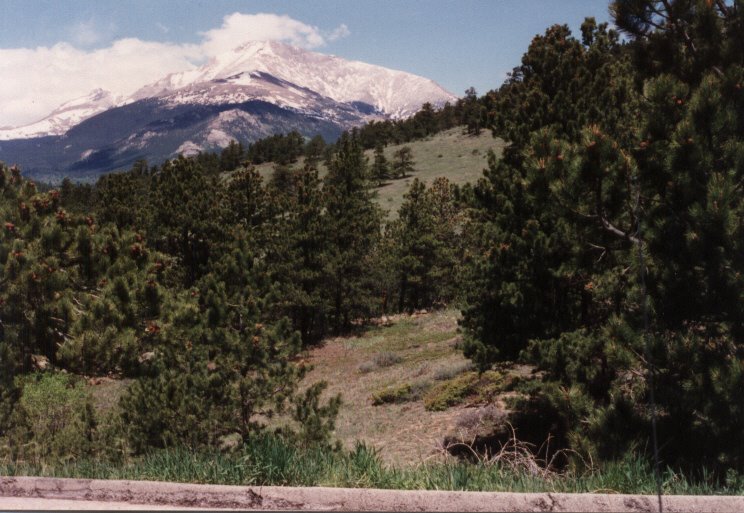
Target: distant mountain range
256,90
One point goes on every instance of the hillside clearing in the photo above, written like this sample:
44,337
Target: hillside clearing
452,154
419,352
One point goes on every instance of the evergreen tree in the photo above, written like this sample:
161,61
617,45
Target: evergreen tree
314,150
554,247
380,166
682,37
403,163
218,366
297,263
473,112
424,251
75,294
232,156
186,211
353,222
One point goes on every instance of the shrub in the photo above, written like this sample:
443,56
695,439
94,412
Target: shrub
380,360
366,367
489,415
484,387
445,373
386,359
396,394
56,417
451,392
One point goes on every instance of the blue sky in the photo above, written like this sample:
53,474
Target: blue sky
47,46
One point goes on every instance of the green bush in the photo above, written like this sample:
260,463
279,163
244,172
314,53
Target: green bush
394,394
55,418
451,392
482,387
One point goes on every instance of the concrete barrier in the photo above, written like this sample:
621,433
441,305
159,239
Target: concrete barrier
347,499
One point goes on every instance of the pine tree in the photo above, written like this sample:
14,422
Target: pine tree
473,112
403,163
297,260
555,238
218,365
232,156
424,246
380,166
185,216
353,222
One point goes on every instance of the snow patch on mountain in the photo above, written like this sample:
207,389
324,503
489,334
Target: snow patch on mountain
321,88
189,148
394,93
64,117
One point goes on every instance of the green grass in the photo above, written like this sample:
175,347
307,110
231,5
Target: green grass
463,159
459,157
269,461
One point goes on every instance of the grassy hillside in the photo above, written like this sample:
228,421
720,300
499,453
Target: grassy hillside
459,157
406,386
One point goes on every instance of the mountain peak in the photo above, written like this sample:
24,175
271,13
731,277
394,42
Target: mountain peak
397,94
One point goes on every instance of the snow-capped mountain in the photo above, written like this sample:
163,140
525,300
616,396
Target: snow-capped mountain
395,93
64,117
256,90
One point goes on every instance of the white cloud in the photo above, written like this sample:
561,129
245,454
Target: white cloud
37,80
237,28
339,32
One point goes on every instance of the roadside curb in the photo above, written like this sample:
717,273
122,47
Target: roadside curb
349,499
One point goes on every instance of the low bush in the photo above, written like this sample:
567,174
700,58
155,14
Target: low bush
483,388
449,372
451,392
396,394
55,418
386,359
380,361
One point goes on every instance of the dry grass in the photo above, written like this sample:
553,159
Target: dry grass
404,432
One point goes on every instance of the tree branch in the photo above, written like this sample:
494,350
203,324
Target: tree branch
723,7
617,231
608,226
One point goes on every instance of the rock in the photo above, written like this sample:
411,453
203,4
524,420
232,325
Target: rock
146,357
40,362
230,443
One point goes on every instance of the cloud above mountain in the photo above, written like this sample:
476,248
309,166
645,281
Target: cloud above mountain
37,80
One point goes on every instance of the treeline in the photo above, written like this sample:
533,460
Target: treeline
469,112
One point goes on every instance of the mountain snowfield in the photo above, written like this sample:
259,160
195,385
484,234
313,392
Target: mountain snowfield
397,94
393,94
65,116
258,89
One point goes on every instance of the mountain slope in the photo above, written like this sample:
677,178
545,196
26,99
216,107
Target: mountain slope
63,117
395,93
159,128
254,91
